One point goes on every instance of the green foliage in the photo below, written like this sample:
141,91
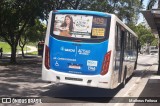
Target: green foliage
144,34
32,34
126,10
15,16
154,42
35,33
33,53
20,18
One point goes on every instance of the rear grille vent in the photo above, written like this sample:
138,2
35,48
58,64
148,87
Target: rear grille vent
74,79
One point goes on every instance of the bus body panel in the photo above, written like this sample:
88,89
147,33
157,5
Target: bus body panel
111,47
77,58
81,80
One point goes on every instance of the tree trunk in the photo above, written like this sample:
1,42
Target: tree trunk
22,48
13,54
22,43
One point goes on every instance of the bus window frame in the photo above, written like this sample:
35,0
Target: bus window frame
93,40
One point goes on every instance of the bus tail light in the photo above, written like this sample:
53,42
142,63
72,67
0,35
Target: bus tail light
106,62
47,61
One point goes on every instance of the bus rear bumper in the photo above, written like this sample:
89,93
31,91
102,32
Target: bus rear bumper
74,79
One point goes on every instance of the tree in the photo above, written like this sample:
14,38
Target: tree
144,34
16,15
126,10
38,31
32,34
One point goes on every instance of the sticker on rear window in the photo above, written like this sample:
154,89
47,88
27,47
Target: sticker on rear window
92,63
91,68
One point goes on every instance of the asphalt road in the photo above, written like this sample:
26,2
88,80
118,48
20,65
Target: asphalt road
80,94
24,80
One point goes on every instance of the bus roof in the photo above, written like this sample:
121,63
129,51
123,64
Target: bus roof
84,12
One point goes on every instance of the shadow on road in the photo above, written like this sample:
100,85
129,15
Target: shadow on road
22,79
73,93
144,73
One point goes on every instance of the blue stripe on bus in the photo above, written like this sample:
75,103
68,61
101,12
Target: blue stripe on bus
82,12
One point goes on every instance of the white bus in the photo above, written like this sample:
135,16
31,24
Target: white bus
88,48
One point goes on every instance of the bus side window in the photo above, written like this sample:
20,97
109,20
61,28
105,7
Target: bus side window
125,40
117,46
129,42
119,39
116,37
135,44
132,43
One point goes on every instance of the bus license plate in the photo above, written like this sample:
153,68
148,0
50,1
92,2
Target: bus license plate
74,67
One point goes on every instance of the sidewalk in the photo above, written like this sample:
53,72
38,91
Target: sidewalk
151,92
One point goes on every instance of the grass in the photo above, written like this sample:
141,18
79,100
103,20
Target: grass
7,49
32,53
5,46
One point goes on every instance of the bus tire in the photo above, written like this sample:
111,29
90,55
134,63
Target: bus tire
124,77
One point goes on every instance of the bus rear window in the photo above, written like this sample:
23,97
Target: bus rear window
79,26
